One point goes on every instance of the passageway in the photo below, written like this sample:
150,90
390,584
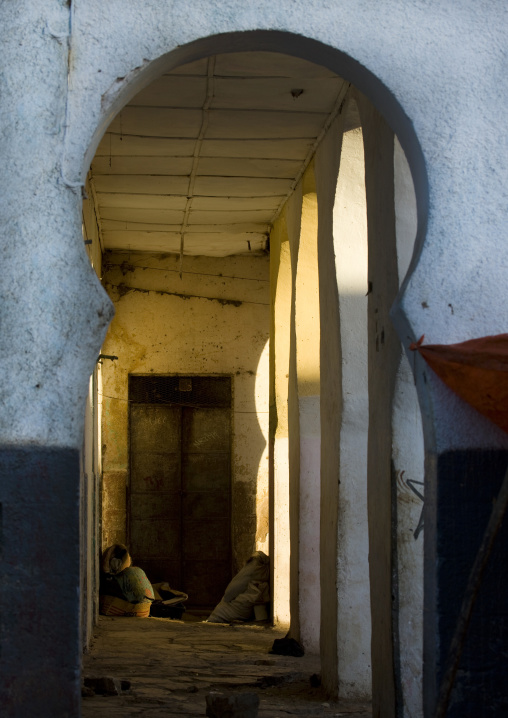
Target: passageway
172,665
241,214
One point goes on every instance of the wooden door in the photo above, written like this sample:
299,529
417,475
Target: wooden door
180,496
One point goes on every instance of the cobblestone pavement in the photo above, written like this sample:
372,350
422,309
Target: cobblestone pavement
173,665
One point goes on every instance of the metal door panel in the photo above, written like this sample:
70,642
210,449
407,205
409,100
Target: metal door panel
206,540
155,427
206,430
154,537
156,471
207,583
206,525
149,507
203,472
155,484
205,505
180,495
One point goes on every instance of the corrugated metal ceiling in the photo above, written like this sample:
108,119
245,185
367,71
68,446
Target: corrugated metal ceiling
205,157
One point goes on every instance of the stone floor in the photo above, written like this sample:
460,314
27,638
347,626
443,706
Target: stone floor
173,665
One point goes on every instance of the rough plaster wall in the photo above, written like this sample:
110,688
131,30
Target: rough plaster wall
50,332
281,283
408,460
326,170
308,371
213,321
351,260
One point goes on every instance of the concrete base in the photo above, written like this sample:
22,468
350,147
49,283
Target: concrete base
468,482
39,583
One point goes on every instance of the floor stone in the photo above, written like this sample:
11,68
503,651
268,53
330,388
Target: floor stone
173,665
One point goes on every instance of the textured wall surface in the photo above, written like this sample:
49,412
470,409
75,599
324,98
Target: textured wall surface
40,656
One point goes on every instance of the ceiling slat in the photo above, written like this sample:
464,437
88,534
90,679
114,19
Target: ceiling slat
195,244
240,167
142,165
144,201
239,186
233,124
210,152
267,64
164,216
173,91
236,203
157,121
281,148
141,184
317,95
226,228
116,144
257,124
130,146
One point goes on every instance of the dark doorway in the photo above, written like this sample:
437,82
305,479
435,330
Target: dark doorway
179,494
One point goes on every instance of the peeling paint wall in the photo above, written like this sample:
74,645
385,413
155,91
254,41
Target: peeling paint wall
215,320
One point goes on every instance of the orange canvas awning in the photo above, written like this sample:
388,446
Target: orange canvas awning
476,370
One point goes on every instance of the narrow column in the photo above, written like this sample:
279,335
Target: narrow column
280,272
351,260
384,355
294,215
326,170
308,375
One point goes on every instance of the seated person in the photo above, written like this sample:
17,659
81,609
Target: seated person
124,589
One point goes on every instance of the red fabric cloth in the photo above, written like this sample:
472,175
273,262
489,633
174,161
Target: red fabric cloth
476,370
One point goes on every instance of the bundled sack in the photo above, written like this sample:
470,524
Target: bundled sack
257,568
241,608
124,589
247,589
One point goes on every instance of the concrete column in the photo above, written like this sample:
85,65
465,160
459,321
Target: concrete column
280,287
308,375
326,169
294,216
384,355
351,260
